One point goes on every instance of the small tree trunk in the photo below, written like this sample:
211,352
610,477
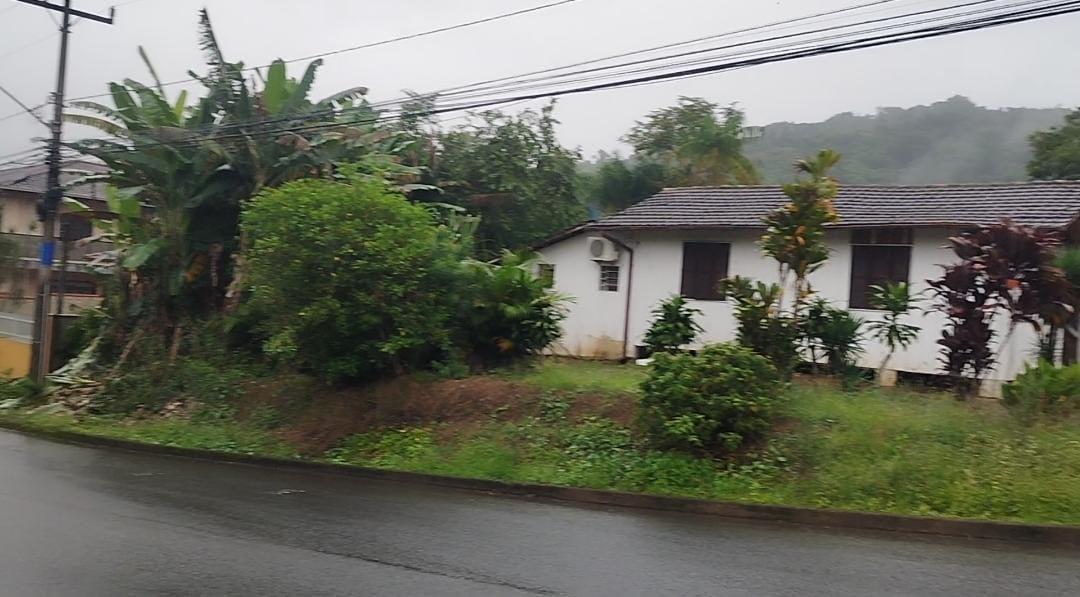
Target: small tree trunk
174,346
884,366
132,341
240,269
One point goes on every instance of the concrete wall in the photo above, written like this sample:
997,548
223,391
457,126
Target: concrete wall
594,327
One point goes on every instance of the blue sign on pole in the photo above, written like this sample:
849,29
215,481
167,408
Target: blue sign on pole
48,249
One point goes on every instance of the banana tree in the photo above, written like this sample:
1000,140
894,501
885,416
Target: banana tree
194,165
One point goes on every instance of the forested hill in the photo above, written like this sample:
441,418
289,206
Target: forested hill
951,141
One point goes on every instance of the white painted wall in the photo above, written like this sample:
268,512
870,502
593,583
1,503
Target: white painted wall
595,325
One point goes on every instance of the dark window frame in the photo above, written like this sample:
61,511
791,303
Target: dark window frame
704,264
878,255
546,273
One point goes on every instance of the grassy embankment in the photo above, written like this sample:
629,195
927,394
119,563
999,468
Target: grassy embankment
571,423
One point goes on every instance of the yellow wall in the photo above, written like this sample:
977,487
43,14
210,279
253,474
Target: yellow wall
14,357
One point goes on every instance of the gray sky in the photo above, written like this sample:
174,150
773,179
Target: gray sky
1029,64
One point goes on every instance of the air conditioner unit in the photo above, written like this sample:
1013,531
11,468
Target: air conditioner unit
602,249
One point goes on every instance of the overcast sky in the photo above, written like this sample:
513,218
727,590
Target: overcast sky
1030,64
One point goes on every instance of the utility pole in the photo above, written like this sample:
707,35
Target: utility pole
50,203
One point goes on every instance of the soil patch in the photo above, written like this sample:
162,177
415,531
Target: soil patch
331,415
620,408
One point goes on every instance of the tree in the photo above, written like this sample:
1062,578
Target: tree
194,166
896,301
349,279
513,172
700,143
1056,152
795,233
618,183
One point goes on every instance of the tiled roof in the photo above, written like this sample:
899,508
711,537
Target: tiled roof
31,179
1052,204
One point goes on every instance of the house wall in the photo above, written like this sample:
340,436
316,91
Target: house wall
19,214
594,327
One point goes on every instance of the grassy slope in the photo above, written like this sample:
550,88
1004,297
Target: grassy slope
893,451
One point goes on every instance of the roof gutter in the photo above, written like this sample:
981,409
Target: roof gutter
629,292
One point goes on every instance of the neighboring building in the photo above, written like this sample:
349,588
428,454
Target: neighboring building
20,190
684,240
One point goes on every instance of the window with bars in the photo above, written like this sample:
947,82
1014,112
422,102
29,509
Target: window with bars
878,256
703,266
609,278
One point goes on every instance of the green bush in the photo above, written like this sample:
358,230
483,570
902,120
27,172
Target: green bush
351,280
510,311
673,326
834,334
762,327
1044,390
715,400
209,385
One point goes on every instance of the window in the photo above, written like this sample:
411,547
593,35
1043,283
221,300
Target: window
609,278
73,227
703,266
546,274
878,256
76,284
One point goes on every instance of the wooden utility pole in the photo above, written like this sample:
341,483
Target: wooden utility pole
50,203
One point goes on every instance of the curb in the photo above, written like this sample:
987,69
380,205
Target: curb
1047,534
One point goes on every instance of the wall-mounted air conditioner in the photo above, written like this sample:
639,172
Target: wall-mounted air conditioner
602,249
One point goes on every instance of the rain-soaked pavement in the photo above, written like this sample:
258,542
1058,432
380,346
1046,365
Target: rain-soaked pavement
86,522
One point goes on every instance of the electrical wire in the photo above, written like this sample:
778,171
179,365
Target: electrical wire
444,94
760,41
472,96
383,42
26,109
1060,8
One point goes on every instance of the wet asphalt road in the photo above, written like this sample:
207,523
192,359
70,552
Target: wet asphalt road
87,522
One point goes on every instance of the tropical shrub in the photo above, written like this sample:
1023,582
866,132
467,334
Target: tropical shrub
510,311
835,334
762,327
673,325
966,300
895,300
715,400
350,280
1044,390
1002,267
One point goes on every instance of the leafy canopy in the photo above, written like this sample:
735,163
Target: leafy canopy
1056,152
350,279
699,142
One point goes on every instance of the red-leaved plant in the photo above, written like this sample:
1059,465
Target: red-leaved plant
1005,266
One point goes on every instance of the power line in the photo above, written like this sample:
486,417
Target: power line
513,86
470,90
863,43
26,109
474,87
21,113
383,42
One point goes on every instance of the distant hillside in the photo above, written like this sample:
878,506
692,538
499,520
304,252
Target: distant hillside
949,141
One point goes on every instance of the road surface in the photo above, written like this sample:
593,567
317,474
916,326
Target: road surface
86,522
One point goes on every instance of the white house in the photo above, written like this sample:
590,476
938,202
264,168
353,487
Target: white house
683,240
